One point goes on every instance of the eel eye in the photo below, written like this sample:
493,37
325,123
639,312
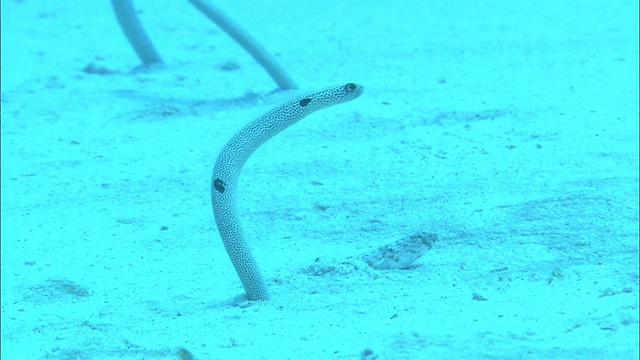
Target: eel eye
351,87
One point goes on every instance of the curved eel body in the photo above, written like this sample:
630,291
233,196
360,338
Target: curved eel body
229,164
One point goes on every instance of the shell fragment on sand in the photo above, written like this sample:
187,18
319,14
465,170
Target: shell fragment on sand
402,253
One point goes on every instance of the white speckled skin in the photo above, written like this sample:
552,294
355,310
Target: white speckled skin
233,156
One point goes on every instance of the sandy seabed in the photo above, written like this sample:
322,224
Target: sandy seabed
508,129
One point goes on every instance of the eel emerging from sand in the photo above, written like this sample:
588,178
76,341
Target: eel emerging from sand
229,164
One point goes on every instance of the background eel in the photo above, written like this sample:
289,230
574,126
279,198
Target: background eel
133,30
229,164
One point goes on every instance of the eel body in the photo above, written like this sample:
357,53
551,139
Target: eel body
229,164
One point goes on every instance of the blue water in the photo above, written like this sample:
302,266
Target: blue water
507,130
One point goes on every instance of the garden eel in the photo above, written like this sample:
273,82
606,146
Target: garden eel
233,156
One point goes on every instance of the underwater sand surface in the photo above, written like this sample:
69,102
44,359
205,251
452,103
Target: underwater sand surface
508,129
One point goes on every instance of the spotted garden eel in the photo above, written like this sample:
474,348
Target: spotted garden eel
229,164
